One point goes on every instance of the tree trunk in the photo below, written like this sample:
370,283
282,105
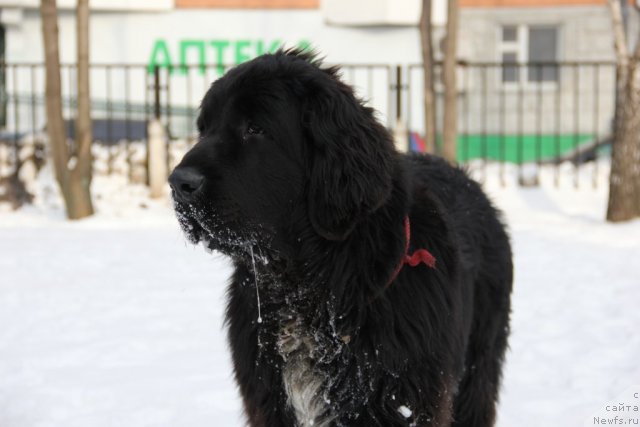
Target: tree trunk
55,123
450,124
70,169
81,175
624,181
426,38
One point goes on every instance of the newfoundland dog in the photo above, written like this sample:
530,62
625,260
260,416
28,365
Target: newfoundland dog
371,288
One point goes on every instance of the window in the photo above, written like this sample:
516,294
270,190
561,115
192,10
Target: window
510,73
536,46
543,50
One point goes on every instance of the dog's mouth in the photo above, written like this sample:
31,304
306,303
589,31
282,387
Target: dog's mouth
219,233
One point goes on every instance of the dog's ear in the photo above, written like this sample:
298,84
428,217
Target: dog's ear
351,160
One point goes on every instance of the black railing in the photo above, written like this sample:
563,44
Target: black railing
508,113
526,113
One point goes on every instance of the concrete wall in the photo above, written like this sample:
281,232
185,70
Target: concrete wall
585,31
584,96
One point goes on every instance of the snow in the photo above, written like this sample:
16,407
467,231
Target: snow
253,262
117,321
575,316
404,411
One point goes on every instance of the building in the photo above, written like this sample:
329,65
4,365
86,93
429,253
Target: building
191,42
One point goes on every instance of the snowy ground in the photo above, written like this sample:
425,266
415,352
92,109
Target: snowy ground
116,321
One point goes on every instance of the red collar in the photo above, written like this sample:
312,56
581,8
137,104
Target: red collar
419,256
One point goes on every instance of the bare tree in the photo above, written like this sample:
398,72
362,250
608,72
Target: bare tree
84,132
72,166
450,120
624,182
428,65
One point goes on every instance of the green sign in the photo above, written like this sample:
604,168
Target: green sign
203,52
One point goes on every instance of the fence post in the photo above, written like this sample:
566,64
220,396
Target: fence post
156,92
157,158
400,133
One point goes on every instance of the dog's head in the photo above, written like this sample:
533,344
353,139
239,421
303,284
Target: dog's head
280,140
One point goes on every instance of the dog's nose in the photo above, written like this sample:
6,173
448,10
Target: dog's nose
186,183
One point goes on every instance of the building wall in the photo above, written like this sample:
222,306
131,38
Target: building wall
231,35
528,3
191,34
249,4
584,34
585,31
130,37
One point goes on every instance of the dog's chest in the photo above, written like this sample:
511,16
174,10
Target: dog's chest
303,381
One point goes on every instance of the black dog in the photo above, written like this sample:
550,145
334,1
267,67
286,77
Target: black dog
370,288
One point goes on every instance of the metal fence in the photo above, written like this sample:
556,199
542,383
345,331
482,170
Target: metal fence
508,113
526,114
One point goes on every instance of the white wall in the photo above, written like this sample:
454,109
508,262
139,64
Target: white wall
387,12
96,4
129,37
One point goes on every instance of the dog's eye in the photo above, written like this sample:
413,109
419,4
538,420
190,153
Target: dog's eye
253,129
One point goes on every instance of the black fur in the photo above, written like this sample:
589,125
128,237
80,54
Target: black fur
303,189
